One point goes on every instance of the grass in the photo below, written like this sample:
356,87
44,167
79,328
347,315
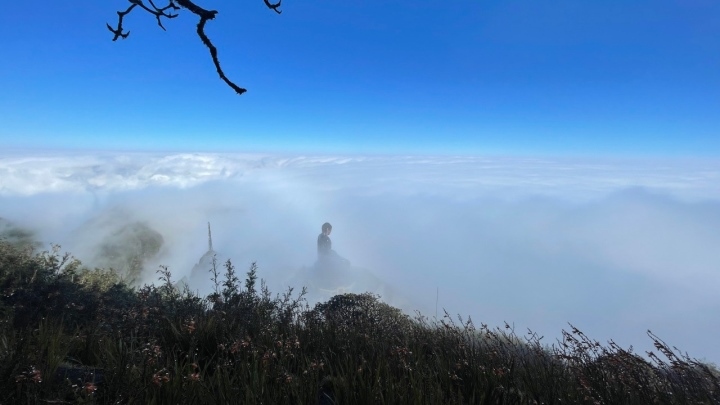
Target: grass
78,336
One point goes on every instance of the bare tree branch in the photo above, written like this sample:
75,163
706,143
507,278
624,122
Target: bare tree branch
119,32
159,12
275,7
167,12
213,53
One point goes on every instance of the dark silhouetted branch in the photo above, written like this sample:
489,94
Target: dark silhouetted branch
119,31
275,7
213,53
167,12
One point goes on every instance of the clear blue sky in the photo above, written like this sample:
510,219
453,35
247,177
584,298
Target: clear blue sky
370,76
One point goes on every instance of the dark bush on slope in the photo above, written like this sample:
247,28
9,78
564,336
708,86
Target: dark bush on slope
74,335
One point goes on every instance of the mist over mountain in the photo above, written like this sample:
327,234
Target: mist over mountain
21,237
614,246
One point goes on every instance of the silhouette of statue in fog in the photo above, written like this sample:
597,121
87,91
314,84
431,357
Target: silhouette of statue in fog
324,243
327,257
332,274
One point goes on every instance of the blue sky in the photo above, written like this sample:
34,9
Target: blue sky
637,78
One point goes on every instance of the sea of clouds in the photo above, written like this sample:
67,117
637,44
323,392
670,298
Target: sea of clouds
613,246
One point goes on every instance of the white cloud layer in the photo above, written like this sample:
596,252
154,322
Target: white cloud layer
615,247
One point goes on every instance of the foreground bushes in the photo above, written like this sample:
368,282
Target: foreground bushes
73,335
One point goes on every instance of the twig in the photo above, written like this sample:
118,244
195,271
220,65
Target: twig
167,12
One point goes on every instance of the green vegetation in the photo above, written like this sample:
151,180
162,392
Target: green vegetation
127,249
74,335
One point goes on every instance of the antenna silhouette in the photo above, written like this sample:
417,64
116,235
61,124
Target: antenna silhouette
210,249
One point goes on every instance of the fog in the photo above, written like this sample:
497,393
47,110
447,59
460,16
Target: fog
615,247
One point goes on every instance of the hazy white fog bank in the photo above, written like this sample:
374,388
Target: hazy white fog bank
615,247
